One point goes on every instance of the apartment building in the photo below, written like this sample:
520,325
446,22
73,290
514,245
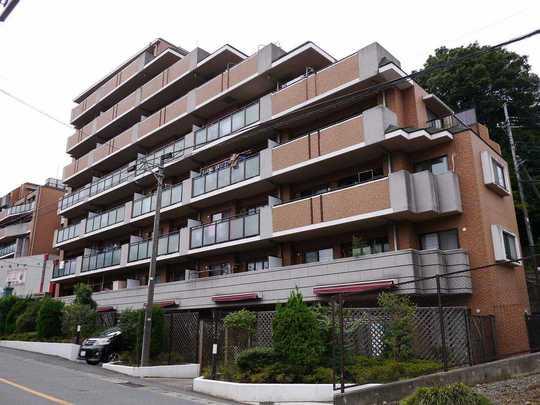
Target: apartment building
285,169
28,220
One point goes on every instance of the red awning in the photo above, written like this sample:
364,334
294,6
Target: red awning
235,297
105,309
360,287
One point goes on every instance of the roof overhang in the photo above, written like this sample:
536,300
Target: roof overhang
355,288
220,299
436,105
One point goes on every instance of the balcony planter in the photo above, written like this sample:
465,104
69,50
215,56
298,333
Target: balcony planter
190,370
68,351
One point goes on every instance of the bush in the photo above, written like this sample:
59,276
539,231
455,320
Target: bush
254,359
79,314
372,370
321,375
49,321
243,320
83,295
16,310
5,306
398,334
297,336
451,394
26,322
132,325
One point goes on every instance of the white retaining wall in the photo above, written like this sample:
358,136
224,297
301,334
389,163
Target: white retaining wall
174,371
66,350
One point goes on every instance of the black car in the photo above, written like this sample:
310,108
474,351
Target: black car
103,347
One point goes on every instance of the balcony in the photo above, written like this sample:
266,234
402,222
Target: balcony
101,259
15,230
167,244
7,250
268,284
69,232
226,230
144,205
225,175
105,219
65,268
17,210
228,125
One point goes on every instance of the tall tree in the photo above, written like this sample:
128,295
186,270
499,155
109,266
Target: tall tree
483,78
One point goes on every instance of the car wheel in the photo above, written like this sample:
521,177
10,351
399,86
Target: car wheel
92,362
112,357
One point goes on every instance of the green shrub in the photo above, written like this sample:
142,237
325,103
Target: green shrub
243,320
132,325
374,370
26,322
6,303
49,321
83,295
398,333
297,336
79,314
416,368
16,310
256,358
451,394
321,375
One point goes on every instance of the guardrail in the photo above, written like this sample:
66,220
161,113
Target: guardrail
170,196
69,232
167,244
70,267
107,218
101,259
225,230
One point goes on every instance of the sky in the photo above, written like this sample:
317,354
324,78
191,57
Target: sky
51,51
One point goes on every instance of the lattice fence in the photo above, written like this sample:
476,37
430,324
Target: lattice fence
182,331
106,320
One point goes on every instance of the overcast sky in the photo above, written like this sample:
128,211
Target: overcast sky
50,51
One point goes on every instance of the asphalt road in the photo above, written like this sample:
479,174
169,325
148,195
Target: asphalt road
30,378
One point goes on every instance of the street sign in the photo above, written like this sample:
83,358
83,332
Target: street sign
6,7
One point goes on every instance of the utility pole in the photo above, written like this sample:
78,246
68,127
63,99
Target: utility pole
532,251
147,333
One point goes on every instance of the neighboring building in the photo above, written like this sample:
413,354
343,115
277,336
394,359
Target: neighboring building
28,220
282,177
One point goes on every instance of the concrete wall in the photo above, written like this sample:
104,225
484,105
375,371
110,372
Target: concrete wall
65,350
31,268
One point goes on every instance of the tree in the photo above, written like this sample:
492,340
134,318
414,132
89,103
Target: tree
83,295
79,314
398,335
49,321
484,80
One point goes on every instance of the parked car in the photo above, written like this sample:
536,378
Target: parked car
103,347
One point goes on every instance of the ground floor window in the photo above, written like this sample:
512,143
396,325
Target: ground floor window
443,240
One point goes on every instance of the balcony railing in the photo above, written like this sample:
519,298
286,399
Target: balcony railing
176,149
67,233
450,121
100,260
70,267
225,230
170,196
228,125
6,250
167,244
244,169
74,198
21,209
107,218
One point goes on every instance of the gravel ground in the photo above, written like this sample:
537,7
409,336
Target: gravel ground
524,389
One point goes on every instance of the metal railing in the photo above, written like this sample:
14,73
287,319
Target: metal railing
69,232
107,218
176,149
99,260
6,250
70,267
73,198
170,196
167,244
228,124
244,169
449,121
225,230
21,209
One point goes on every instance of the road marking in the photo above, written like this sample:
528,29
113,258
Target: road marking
36,393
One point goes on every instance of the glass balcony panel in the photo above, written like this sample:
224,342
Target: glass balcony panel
120,214
211,182
176,194
196,238
108,258
153,202
213,132
162,245
238,172
166,198
174,242
251,224
200,137
225,126
143,250
100,262
137,207
92,264
116,257
222,231
252,113
198,186
146,205
209,234
252,167
133,251
238,120
237,228
224,177
112,217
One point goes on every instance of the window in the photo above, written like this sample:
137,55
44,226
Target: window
218,216
321,255
313,191
498,174
219,269
510,246
255,265
443,240
436,166
361,247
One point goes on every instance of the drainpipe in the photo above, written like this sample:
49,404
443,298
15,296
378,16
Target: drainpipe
45,260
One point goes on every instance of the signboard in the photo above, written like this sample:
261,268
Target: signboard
6,7
15,277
